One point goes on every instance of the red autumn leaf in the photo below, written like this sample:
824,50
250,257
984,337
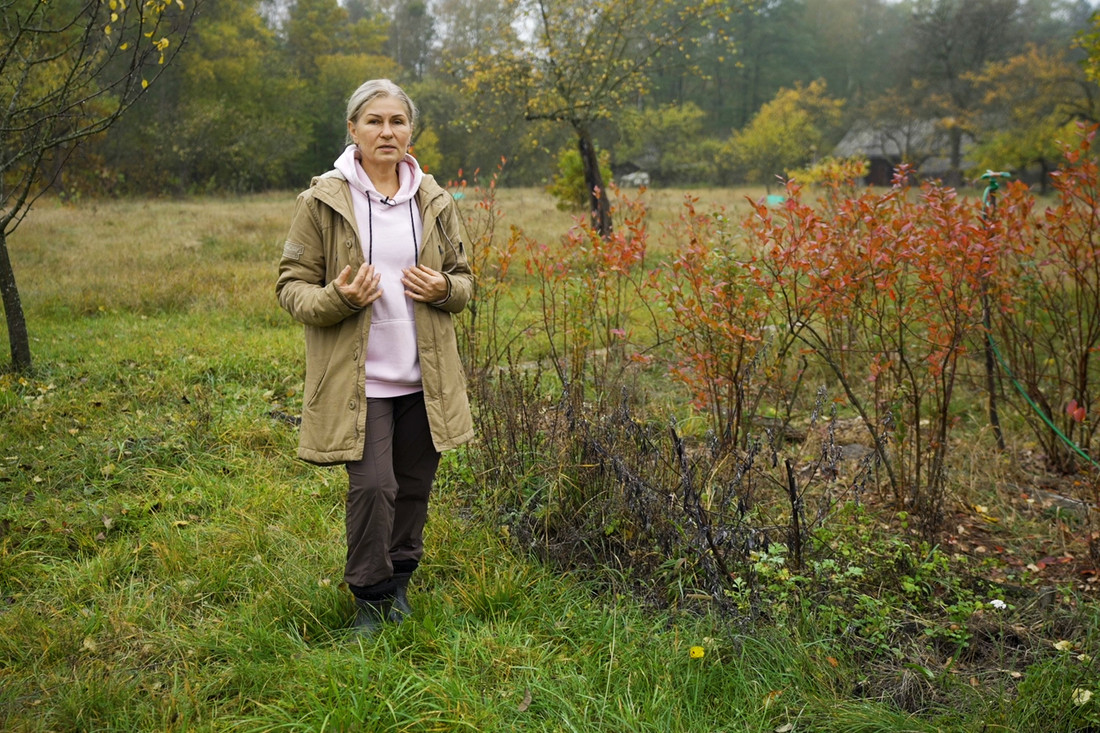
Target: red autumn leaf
1075,411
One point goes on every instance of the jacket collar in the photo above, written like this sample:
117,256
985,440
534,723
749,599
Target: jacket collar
332,189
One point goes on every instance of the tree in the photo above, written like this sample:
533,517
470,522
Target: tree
226,102
668,142
856,45
785,133
465,28
411,36
477,130
1088,40
587,60
952,40
68,70
1030,105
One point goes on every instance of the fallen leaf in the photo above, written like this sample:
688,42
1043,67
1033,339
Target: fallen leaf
180,523
526,701
832,661
785,728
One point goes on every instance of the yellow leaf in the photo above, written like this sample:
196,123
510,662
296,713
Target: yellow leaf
89,644
180,523
144,83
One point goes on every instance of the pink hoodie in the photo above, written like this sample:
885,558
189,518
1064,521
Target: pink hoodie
390,234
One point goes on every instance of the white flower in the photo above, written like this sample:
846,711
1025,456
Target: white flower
1081,696
998,604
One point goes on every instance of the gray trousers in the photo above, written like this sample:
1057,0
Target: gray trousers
388,489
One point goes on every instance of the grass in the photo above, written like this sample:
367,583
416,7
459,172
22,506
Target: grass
166,564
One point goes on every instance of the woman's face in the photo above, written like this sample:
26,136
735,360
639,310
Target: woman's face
382,132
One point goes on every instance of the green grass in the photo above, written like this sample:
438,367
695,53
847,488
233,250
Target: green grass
166,563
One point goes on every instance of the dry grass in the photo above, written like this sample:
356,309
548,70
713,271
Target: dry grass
171,254
534,212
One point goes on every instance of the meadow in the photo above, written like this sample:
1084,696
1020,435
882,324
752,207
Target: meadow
167,564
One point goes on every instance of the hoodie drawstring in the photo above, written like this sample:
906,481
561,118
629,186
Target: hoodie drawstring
370,232
412,227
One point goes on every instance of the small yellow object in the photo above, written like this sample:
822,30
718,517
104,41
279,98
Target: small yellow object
696,652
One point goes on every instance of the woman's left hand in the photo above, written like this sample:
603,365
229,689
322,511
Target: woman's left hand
424,284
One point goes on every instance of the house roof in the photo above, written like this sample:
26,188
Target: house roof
923,142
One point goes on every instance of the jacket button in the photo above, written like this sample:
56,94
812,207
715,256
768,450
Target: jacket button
351,404
347,243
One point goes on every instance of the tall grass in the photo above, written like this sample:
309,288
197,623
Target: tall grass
166,564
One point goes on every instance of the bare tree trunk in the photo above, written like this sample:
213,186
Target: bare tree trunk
13,310
598,205
954,175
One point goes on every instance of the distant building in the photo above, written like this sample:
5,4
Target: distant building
637,179
925,144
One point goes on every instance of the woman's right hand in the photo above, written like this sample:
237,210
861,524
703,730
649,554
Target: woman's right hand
363,288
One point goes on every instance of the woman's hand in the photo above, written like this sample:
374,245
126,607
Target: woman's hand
424,284
363,289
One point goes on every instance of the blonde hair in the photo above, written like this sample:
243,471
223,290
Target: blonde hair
370,90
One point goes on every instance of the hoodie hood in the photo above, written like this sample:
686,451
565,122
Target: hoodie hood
409,176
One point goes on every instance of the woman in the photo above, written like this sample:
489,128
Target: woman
374,268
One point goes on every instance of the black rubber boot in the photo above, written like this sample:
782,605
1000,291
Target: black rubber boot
370,616
400,607
372,607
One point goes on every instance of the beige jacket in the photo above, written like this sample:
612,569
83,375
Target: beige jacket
323,239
